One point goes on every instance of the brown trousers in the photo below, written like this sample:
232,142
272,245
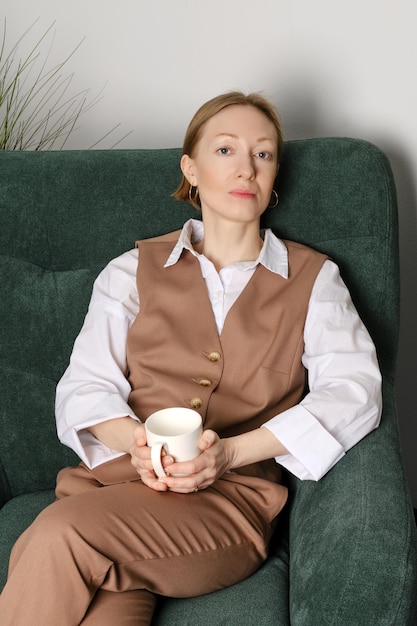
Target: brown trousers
109,545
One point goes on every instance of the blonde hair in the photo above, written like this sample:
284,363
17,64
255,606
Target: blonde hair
209,110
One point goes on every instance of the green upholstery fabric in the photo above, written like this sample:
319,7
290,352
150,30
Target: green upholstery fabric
345,553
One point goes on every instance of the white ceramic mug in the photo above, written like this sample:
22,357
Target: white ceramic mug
177,430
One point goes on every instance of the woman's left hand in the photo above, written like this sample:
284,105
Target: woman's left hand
201,472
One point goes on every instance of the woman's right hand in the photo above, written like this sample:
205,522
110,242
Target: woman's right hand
141,460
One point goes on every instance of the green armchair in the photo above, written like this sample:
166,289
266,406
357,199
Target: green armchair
345,552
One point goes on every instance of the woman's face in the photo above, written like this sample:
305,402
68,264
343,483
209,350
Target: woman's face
234,164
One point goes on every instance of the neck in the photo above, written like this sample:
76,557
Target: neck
225,244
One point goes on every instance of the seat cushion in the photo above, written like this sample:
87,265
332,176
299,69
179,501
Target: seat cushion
15,516
261,599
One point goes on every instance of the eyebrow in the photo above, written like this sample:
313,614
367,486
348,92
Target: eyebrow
236,137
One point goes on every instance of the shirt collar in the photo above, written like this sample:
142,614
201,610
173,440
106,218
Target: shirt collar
273,254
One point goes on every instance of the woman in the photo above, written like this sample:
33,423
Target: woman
226,319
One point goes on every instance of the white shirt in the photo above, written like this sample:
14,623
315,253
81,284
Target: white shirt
344,399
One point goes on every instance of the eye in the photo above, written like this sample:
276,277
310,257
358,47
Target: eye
224,150
265,156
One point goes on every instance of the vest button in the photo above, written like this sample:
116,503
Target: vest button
204,382
213,356
196,403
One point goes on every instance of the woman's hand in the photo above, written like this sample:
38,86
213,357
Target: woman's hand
141,460
200,472
217,457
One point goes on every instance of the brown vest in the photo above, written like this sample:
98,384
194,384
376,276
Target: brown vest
238,380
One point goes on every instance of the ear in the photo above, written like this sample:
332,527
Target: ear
188,169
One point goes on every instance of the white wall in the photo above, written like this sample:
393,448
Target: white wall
332,68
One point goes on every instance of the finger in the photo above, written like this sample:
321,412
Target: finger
185,469
167,461
207,439
141,458
155,483
139,435
188,480
180,486
149,479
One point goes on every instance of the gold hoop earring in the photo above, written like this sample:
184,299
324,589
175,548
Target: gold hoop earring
276,200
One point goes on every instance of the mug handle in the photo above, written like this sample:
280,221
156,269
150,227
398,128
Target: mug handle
156,453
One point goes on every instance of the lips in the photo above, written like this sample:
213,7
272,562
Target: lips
243,193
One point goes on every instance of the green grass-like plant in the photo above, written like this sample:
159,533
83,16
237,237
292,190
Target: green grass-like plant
36,110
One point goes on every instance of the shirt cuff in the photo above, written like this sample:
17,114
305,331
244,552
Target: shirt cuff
90,450
313,451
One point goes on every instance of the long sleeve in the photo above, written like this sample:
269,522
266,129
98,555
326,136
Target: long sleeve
94,387
344,399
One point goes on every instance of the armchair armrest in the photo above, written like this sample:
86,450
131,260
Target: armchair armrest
353,546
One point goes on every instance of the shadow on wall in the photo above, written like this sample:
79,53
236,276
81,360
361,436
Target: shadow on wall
304,115
406,379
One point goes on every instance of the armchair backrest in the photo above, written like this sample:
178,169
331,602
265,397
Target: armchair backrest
64,215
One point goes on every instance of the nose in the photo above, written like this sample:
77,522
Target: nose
246,167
